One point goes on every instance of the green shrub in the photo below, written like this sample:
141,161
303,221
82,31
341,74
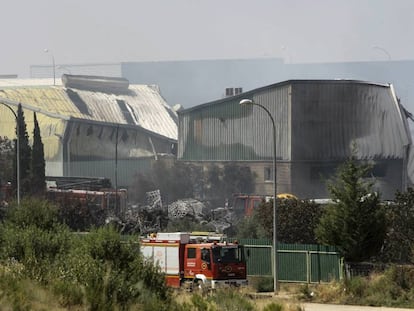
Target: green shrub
12,292
97,270
263,284
231,300
355,289
273,307
112,273
392,288
68,293
305,292
200,303
33,212
32,236
403,276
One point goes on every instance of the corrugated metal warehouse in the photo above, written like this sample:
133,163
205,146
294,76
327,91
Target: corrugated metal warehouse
317,122
93,126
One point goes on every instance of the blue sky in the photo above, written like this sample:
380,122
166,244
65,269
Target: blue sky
300,31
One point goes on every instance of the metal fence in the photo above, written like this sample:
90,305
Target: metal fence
304,263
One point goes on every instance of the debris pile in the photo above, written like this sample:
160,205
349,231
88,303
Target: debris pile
187,207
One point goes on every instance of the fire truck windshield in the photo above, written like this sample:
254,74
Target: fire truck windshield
228,254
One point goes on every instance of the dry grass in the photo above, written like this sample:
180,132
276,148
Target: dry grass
286,298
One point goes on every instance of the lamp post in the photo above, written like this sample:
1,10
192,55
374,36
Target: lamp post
17,152
53,64
116,169
246,102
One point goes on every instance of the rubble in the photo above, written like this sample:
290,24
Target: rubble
187,207
153,216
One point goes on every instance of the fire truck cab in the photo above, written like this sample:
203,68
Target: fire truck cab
190,261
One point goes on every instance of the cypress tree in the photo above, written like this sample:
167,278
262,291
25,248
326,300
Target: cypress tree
356,221
25,154
38,180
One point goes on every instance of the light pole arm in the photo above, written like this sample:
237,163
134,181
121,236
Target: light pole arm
274,262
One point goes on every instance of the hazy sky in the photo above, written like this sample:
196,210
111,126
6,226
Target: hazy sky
300,31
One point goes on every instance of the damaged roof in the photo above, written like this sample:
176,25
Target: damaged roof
314,119
97,99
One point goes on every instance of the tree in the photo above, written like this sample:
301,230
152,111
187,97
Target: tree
296,221
38,179
399,240
25,155
355,222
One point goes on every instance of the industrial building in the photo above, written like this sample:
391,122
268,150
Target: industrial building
93,126
317,122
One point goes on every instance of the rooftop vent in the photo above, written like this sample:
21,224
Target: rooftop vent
96,83
231,91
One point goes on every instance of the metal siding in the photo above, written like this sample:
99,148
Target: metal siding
8,122
277,101
228,132
316,120
106,70
329,117
127,169
52,130
99,141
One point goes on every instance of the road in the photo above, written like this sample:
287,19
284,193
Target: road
330,307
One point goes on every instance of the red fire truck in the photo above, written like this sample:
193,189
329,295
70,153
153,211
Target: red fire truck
196,261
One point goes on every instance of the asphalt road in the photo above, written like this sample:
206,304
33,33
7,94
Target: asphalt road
329,307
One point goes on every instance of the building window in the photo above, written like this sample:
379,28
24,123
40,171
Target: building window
268,173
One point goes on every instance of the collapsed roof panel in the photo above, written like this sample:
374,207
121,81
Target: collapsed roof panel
97,99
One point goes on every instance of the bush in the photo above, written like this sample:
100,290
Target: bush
32,236
262,284
393,288
355,287
97,269
273,307
112,273
33,212
231,300
12,292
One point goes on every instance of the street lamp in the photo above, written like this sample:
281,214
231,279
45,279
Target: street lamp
53,64
245,102
17,152
116,170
